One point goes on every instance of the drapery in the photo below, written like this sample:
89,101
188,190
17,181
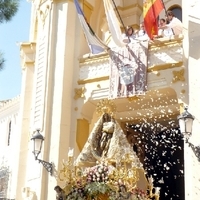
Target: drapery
113,24
95,44
128,73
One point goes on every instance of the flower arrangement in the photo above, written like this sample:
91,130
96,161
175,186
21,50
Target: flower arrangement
139,194
95,184
98,173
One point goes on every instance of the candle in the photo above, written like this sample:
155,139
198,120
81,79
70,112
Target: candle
150,179
71,153
157,190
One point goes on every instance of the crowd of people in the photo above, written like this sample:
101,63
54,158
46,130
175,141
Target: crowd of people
166,28
132,35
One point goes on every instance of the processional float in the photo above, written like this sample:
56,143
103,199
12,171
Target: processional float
107,167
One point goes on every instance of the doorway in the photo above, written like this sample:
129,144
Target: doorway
160,148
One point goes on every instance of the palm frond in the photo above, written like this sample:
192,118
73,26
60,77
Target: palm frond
8,9
2,61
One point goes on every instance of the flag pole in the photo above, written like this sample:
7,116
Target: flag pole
120,18
166,14
164,7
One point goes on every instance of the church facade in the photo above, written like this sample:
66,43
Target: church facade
65,88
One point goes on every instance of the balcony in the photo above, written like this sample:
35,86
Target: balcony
165,80
163,54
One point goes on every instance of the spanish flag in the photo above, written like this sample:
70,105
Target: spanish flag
151,10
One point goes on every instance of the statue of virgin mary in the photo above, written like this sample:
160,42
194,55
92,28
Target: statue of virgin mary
107,142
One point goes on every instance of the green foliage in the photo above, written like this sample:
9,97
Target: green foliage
95,188
8,9
2,61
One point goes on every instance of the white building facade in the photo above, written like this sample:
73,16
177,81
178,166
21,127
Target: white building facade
62,85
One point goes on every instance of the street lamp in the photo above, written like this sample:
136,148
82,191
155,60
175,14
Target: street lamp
38,139
185,122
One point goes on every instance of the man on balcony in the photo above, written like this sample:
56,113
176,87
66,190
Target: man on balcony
166,32
174,23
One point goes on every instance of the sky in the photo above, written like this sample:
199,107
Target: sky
11,34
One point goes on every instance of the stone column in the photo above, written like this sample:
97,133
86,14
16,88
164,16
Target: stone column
62,75
27,51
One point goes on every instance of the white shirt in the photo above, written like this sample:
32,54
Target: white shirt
165,32
176,25
129,39
142,35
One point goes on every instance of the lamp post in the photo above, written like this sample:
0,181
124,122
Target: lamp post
185,123
38,139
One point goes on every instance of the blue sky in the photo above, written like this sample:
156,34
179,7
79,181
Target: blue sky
11,34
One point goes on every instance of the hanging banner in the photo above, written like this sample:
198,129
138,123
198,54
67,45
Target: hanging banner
128,74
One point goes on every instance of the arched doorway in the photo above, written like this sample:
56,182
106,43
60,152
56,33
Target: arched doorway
177,10
152,129
160,148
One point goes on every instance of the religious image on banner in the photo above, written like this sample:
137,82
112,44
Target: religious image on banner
128,70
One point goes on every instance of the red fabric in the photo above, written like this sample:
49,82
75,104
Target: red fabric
150,17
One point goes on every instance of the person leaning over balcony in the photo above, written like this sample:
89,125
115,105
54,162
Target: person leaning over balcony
174,23
165,32
129,36
60,193
141,34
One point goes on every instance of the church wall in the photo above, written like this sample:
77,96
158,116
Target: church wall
9,115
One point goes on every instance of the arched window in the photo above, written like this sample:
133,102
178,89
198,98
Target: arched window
9,132
177,10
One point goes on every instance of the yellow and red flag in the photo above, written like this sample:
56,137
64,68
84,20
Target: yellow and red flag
151,10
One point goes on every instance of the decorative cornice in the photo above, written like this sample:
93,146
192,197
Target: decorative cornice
92,58
134,98
136,5
43,12
4,104
91,80
158,46
9,107
165,42
164,66
27,53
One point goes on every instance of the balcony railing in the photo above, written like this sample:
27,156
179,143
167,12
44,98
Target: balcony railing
163,54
